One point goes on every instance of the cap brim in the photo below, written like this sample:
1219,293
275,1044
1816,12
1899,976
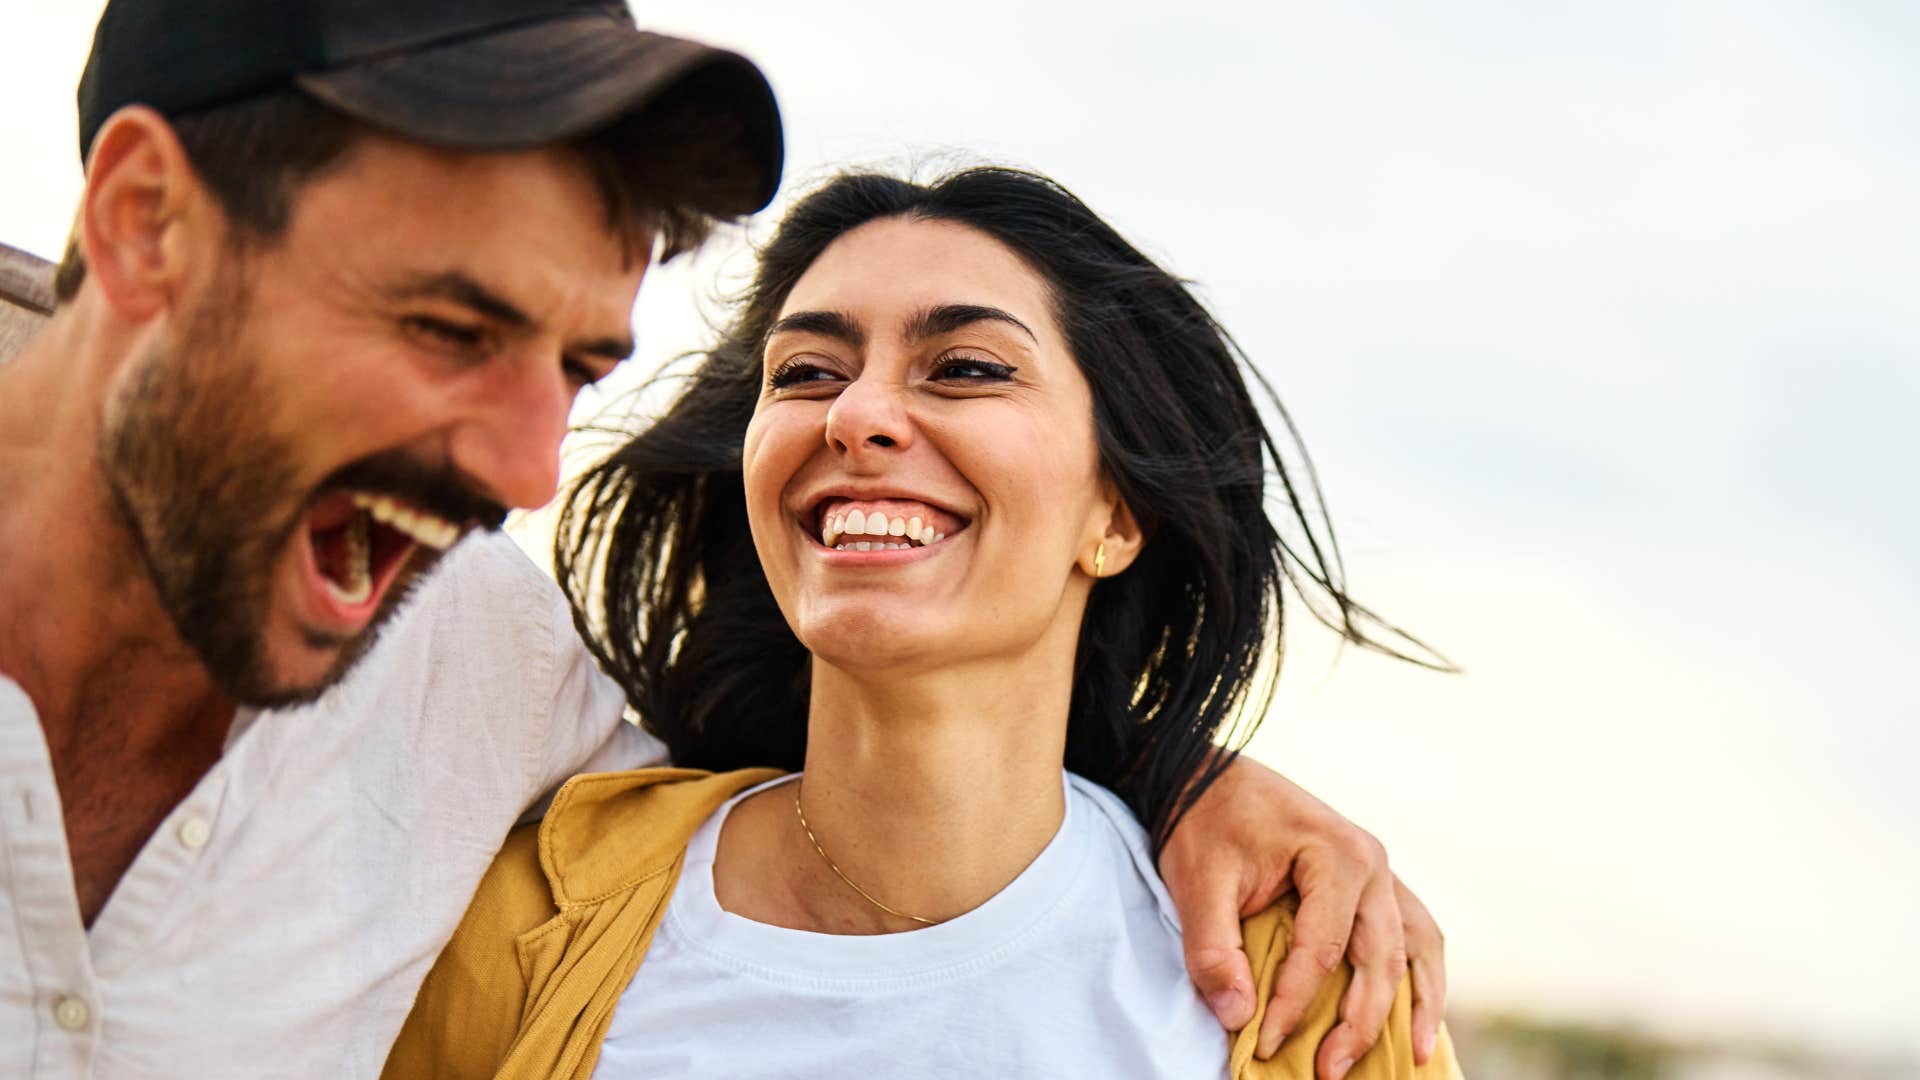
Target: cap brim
560,79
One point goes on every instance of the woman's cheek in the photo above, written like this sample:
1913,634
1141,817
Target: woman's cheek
770,456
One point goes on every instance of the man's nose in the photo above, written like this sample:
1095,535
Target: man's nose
511,442
868,416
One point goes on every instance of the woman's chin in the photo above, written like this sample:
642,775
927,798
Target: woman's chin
867,661
874,643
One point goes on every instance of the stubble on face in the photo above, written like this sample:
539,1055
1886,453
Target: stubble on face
209,494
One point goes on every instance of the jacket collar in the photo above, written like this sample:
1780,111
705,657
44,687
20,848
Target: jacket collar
606,832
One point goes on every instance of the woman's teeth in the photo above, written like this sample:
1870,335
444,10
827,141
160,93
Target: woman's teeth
892,533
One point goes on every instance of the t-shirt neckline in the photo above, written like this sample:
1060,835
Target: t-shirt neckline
696,920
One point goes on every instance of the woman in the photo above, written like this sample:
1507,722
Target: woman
971,491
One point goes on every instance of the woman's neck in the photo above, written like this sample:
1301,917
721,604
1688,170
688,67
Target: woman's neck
930,792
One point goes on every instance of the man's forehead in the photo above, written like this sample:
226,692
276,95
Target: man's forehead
389,169
528,229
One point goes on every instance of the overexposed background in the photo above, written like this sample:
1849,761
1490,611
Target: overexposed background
1600,324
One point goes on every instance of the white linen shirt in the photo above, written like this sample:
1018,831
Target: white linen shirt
279,921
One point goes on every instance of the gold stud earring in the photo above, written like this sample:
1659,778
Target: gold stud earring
1099,560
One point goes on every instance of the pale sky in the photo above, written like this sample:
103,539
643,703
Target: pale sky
1598,323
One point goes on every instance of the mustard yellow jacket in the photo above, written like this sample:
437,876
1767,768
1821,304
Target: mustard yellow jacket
525,989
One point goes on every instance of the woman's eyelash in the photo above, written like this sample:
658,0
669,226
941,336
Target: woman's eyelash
988,370
793,371
800,369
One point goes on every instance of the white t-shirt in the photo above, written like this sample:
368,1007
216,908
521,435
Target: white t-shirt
279,921
1073,970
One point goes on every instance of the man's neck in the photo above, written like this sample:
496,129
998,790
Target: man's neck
131,718
76,592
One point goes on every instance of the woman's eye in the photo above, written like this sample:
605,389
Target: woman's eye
972,369
798,372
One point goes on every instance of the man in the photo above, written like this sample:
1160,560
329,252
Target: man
337,274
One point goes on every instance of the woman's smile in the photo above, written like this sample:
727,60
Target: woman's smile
920,406
893,524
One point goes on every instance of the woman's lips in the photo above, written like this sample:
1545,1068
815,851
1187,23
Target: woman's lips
882,524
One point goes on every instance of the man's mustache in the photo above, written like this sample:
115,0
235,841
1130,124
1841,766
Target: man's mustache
438,489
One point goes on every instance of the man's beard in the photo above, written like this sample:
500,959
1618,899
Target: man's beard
207,490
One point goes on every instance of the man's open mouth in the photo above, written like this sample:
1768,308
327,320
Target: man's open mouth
362,542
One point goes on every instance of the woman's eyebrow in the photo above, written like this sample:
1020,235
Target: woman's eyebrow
833,324
946,318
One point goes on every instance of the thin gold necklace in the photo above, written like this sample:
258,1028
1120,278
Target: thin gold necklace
841,874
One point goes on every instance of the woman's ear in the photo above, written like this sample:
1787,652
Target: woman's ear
1118,543
137,215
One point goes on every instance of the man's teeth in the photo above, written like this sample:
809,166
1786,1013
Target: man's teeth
359,569
428,530
912,531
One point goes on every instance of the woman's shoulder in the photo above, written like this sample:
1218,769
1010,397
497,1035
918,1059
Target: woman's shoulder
602,833
1116,822
1268,936
604,830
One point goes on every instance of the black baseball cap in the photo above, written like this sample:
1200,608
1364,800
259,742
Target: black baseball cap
467,74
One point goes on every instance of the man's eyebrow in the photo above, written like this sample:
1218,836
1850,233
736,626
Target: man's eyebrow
462,289
614,349
833,324
946,318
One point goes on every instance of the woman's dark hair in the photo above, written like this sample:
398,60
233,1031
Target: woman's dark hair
1176,654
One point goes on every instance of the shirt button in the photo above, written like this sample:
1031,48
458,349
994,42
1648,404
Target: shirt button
71,1013
194,832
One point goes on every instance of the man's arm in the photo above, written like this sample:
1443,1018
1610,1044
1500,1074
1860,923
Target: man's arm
1247,841
589,731
26,298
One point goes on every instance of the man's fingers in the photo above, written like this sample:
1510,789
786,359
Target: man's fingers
1320,932
1226,981
1429,1005
1379,956
1426,952
1210,934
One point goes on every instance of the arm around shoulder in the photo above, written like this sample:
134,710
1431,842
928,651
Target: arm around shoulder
1268,936
471,1005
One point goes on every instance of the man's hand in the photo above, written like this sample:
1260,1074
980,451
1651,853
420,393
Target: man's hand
1250,838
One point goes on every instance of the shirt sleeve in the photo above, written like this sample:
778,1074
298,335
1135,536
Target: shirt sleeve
470,1008
577,716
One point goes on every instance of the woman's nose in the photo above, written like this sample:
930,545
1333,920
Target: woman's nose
868,417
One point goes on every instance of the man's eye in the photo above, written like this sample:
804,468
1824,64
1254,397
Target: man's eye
452,334
798,371
972,369
582,373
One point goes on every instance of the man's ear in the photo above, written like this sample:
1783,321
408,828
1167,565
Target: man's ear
144,213
1119,543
